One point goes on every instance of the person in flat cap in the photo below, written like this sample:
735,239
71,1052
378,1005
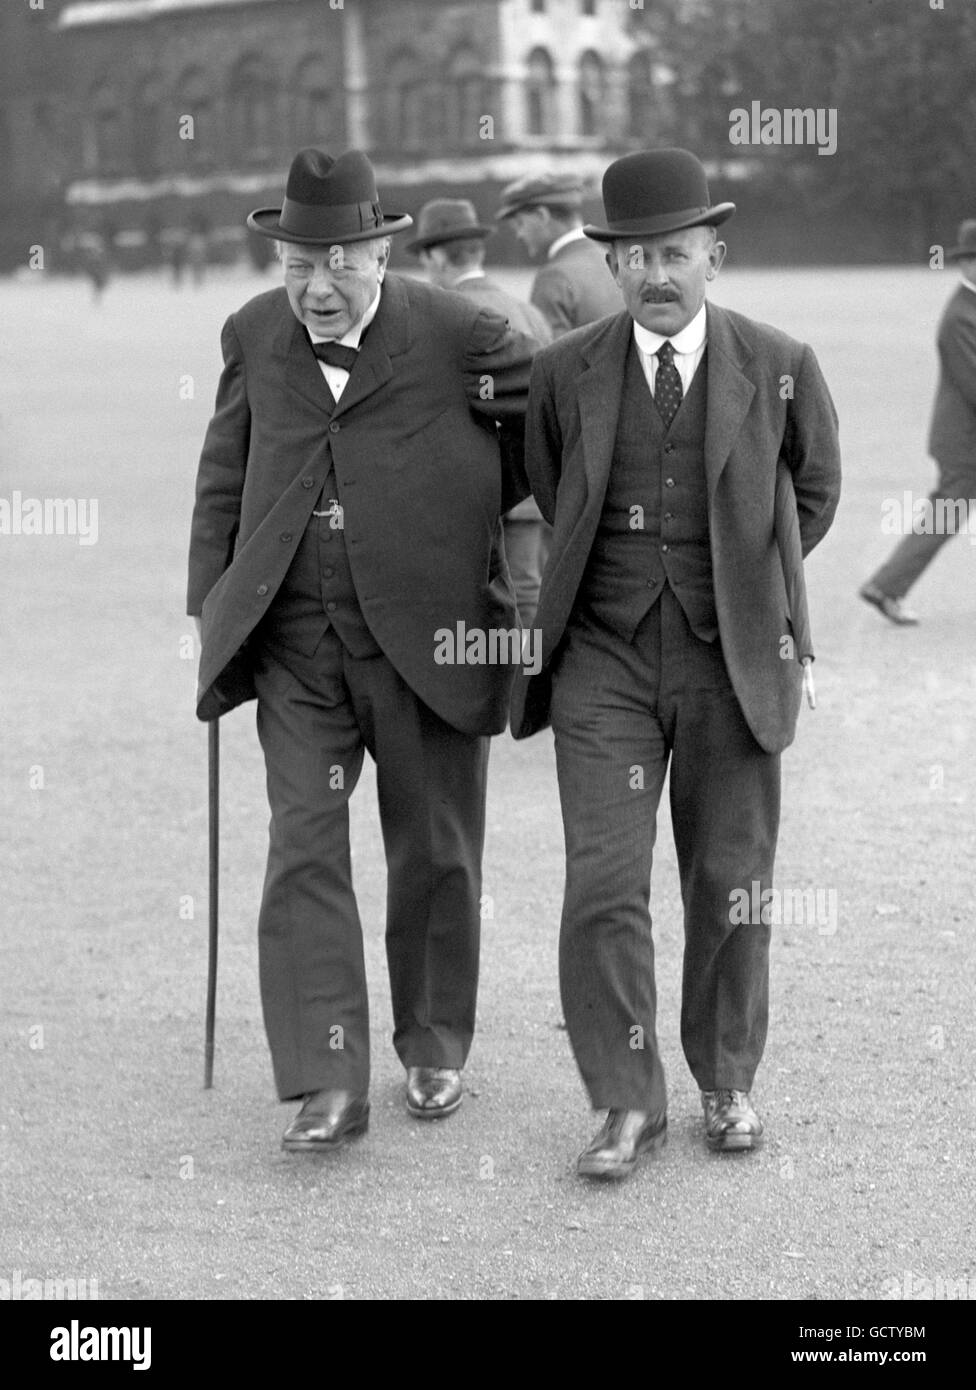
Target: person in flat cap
572,286
450,245
345,483
658,443
952,444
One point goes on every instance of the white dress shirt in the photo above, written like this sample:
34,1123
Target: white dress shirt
689,349
577,234
968,283
338,376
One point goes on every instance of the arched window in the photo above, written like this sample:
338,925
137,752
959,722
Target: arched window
640,96
251,109
540,91
193,119
318,117
103,145
467,98
592,94
405,103
147,121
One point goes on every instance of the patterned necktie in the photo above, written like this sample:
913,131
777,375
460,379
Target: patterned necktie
336,355
667,384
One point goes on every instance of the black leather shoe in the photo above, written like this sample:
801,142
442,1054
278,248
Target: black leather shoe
890,607
326,1121
626,1134
731,1124
433,1092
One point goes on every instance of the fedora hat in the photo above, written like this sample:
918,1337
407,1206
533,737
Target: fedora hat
533,191
967,241
446,219
655,191
327,201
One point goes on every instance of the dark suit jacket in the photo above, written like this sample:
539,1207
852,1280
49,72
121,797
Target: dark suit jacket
419,475
952,437
575,287
574,402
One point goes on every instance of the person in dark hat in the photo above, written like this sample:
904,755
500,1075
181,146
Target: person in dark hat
572,286
450,245
952,444
338,533
652,444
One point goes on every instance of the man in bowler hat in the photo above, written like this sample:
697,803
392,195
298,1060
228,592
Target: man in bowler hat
346,514
572,286
952,443
450,245
652,443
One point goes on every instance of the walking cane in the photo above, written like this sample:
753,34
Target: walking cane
213,791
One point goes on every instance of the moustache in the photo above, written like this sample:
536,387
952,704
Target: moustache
657,297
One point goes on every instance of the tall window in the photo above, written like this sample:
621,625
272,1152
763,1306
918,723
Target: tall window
317,119
251,109
592,94
103,144
540,93
538,6
147,133
193,117
405,103
589,6
468,98
640,97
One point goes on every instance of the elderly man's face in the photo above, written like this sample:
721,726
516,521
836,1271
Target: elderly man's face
663,278
331,287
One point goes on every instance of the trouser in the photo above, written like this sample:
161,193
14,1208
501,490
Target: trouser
315,717
916,552
620,712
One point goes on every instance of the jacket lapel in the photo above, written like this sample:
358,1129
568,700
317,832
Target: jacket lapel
730,392
599,391
386,336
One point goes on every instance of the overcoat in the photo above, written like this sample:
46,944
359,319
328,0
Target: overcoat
767,400
414,446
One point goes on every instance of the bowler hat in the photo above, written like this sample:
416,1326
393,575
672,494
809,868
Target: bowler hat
446,219
327,201
967,241
533,191
655,191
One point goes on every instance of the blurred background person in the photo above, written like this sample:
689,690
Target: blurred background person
450,246
952,443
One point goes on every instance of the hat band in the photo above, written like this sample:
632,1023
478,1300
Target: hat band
664,220
321,220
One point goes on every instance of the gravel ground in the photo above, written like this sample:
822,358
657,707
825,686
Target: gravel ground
118,1167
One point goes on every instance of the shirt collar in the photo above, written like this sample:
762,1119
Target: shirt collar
577,234
690,339
353,335
968,283
470,275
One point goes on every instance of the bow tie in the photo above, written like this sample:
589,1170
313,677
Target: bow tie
336,355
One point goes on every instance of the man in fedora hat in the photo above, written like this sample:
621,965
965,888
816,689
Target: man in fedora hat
652,444
346,515
450,245
572,286
952,443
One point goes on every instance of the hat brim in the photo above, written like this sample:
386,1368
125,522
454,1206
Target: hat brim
267,222
424,243
960,253
657,226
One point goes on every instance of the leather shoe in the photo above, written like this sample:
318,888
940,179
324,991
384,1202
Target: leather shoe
626,1134
731,1124
326,1120
433,1092
890,607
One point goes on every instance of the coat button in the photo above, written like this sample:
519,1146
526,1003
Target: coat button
665,547
262,590
334,427
669,448
669,482
286,536
308,482
330,607
667,517
328,573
